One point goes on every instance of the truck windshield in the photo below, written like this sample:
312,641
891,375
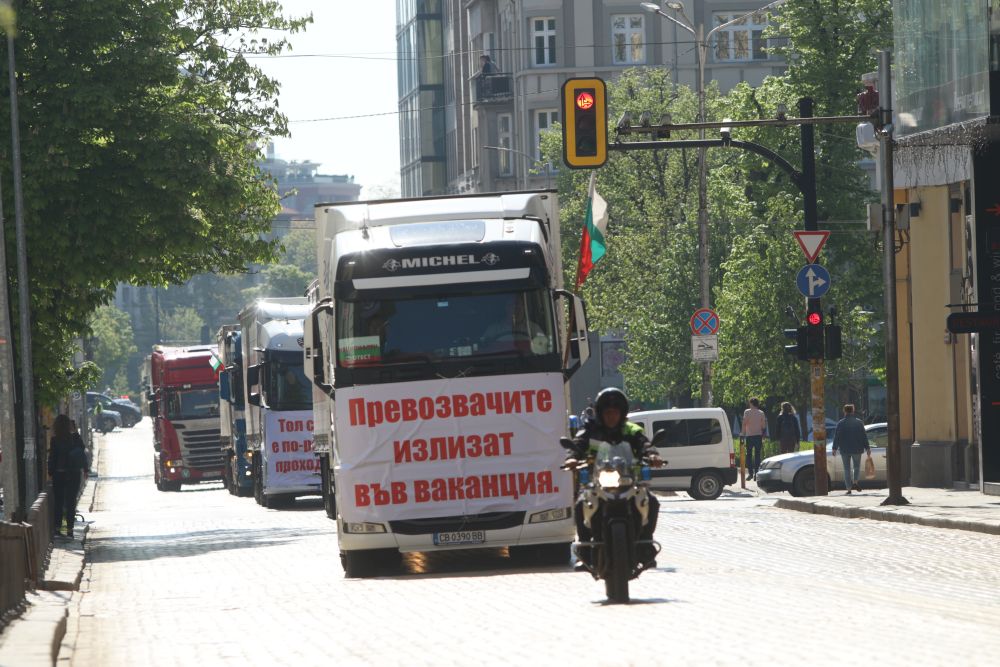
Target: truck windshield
287,387
377,333
193,404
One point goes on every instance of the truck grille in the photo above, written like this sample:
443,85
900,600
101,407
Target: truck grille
202,449
485,521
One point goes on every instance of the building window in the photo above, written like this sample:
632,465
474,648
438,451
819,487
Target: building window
628,39
544,119
505,136
743,40
543,37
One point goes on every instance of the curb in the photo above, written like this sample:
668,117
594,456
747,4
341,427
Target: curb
35,637
902,514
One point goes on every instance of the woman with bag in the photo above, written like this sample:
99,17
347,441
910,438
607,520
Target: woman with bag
851,439
789,432
67,464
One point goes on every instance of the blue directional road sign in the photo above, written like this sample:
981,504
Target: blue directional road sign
813,281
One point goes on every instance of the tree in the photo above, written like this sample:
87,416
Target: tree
181,326
140,127
113,344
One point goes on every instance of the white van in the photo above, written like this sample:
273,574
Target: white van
697,445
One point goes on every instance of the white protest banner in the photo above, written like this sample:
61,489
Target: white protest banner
451,447
291,463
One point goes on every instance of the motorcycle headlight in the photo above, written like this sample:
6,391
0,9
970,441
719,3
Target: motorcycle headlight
609,479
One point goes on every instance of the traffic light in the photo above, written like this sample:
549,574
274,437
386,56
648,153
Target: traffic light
833,350
799,348
585,123
814,335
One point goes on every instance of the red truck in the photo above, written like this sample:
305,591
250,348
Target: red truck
184,404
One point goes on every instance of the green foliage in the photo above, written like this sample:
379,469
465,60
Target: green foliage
299,249
646,287
280,280
181,326
112,344
139,129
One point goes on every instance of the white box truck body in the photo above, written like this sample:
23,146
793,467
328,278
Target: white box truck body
439,337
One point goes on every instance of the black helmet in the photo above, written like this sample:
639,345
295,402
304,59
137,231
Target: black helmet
611,397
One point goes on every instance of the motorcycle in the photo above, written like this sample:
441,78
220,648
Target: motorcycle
614,506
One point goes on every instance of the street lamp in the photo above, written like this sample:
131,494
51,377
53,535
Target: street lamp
701,54
530,159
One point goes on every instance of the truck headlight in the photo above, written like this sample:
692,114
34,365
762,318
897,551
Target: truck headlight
361,527
550,515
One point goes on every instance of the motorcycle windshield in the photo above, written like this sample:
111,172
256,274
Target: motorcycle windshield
607,451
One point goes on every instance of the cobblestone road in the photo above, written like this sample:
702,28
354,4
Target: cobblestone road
201,577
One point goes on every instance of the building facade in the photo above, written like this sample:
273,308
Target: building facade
947,171
466,127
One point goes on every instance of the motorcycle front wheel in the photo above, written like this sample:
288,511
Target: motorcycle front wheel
616,577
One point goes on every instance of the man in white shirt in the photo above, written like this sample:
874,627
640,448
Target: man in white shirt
752,434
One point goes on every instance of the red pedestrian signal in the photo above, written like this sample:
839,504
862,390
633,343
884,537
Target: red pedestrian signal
585,123
815,319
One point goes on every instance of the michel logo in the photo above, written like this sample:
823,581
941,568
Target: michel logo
393,265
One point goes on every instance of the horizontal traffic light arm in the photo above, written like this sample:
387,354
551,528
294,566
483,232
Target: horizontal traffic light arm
763,151
763,122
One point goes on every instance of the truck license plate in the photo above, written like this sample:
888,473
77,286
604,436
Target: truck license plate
460,537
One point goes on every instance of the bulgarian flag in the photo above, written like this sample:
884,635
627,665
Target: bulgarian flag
215,362
593,244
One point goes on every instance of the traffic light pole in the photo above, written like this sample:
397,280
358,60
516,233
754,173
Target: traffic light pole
817,367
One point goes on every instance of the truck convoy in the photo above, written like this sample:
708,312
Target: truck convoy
442,341
183,402
278,401
236,474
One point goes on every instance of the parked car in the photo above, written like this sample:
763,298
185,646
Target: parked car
129,411
698,449
107,421
831,427
795,472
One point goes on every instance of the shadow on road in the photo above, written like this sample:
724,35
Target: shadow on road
183,545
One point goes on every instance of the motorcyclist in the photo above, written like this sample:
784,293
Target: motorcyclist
610,425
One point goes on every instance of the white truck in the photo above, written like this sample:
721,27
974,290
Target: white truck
278,401
442,342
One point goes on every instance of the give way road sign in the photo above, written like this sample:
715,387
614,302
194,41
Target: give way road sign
811,243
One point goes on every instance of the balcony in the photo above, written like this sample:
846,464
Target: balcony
493,88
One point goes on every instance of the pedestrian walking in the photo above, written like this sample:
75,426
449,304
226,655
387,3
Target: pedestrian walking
789,431
850,439
67,467
752,435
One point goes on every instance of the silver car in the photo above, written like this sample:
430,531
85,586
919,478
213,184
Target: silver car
794,472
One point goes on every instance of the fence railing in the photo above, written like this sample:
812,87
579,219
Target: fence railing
24,553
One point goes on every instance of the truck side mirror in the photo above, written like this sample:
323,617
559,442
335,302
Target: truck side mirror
253,376
577,340
323,309
225,386
254,399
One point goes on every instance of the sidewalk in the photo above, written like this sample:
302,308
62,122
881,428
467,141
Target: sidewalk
938,508
34,638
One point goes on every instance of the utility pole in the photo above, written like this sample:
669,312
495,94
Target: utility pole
893,449
23,293
8,435
704,285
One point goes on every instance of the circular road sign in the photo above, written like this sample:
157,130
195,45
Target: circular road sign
704,322
813,281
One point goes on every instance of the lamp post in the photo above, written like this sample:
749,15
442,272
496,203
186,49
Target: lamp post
529,159
701,55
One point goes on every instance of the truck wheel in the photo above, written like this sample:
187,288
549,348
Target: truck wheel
369,562
169,486
329,497
540,554
258,486
706,486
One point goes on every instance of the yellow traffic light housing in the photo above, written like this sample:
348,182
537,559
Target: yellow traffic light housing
585,123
